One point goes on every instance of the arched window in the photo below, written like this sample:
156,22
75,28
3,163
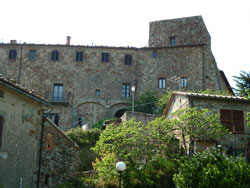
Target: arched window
1,130
128,59
55,55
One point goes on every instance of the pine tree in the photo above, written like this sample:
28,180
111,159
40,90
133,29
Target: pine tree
242,84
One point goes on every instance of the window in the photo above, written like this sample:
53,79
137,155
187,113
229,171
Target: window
172,41
183,82
162,83
125,90
79,56
97,92
128,59
32,55
46,179
12,54
58,93
1,94
154,54
105,57
54,117
233,120
1,130
79,121
55,55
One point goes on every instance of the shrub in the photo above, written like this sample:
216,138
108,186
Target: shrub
213,169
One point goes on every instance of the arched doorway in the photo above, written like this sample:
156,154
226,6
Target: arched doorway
119,113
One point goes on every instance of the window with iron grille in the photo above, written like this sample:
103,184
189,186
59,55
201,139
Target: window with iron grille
125,90
32,55
233,120
12,54
55,55
1,130
162,83
128,60
58,93
105,57
54,117
79,56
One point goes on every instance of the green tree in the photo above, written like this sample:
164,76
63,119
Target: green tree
213,169
242,84
138,145
192,124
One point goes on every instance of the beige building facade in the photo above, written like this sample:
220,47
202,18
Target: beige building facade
87,83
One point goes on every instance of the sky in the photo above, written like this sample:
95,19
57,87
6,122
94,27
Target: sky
126,23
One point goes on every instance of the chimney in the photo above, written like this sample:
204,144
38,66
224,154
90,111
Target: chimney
13,42
68,40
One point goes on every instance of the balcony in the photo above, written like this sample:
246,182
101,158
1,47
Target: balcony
63,99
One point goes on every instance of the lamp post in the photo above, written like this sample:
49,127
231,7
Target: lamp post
120,167
133,97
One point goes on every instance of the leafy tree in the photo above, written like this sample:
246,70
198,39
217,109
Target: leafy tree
213,169
137,145
242,84
163,100
192,124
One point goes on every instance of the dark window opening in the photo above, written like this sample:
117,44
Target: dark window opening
12,54
79,121
79,56
128,60
54,117
55,56
125,90
46,179
105,57
32,55
1,94
1,130
162,83
97,92
58,93
172,41
233,120
154,54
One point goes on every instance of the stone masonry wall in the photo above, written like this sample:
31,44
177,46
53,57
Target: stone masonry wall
59,157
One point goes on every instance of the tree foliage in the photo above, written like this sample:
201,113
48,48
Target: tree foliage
213,169
242,84
191,124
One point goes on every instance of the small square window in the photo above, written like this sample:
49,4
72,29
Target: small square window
105,57
154,54
32,55
172,41
79,56
98,92
162,83
12,54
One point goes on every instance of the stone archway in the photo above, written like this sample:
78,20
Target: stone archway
120,112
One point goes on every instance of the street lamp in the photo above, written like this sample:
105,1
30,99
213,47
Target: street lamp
120,167
133,97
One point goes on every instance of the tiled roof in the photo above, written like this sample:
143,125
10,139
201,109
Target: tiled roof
12,84
210,96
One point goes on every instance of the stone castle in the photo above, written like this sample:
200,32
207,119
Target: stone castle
87,83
